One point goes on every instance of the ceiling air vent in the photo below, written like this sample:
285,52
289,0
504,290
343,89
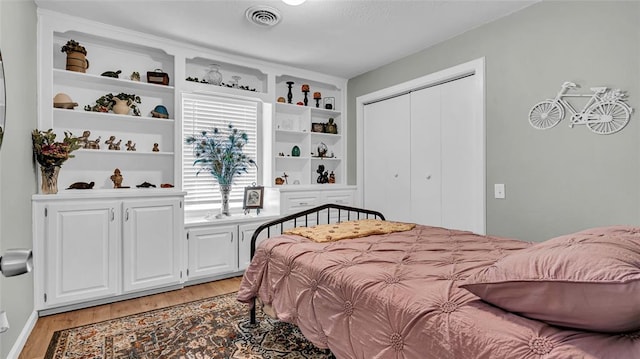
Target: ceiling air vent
263,15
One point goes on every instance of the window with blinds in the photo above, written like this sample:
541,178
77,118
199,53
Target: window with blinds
204,113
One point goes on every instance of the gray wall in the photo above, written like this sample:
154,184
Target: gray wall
17,176
558,180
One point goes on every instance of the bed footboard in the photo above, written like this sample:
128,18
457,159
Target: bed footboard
327,213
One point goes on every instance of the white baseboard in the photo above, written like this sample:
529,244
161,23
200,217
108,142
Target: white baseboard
24,335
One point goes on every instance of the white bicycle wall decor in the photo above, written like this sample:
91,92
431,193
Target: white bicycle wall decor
604,113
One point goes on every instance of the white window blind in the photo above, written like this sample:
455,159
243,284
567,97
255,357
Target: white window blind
204,113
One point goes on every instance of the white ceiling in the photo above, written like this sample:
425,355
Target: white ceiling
343,38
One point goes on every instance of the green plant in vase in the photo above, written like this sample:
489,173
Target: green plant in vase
220,152
120,104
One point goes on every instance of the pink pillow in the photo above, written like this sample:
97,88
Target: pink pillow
587,280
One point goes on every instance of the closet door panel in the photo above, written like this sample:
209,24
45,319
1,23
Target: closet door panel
387,158
426,176
460,157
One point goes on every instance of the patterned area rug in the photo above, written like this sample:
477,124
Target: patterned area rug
211,328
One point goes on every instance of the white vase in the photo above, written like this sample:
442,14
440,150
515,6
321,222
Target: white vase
121,107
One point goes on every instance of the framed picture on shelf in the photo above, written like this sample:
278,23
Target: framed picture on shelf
253,198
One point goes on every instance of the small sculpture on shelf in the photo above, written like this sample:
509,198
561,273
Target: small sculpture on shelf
332,177
81,185
113,145
135,76
282,180
317,96
155,148
305,90
130,146
160,112
289,94
117,178
93,144
166,185
322,150
146,184
84,139
281,99
323,175
331,127
114,74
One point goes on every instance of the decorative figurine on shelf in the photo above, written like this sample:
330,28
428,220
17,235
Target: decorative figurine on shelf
324,175
93,144
332,177
146,184
317,96
166,185
135,76
113,145
160,112
305,90
84,139
331,127
289,94
155,148
329,103
81,185
322,150
281,99
114,74
117,178
295,151
130,146
279,181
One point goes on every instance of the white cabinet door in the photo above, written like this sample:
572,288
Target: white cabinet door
386,158
152,232
212,251
244,245
81,251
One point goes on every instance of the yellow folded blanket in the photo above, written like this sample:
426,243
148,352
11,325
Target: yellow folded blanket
351,229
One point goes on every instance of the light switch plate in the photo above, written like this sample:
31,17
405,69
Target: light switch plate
498,191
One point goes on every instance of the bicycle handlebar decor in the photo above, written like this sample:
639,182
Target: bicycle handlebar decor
604,113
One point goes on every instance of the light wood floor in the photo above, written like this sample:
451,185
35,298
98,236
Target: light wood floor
36,346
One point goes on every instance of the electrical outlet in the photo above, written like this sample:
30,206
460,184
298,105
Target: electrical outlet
498,191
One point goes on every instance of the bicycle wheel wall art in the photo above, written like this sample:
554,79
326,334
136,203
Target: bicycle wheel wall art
604,113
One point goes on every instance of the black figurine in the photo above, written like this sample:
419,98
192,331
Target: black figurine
324,175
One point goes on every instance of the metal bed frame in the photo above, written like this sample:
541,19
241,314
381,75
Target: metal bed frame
301,219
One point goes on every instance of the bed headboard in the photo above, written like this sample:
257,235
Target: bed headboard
326,213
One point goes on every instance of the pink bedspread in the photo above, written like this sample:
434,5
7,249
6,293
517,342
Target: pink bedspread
397,296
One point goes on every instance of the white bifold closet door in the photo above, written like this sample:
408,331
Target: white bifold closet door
386,157
421,160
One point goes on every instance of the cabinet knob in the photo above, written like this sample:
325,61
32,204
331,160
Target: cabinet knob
395,175
428,177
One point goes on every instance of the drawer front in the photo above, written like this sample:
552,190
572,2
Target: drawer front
344,198
299,201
